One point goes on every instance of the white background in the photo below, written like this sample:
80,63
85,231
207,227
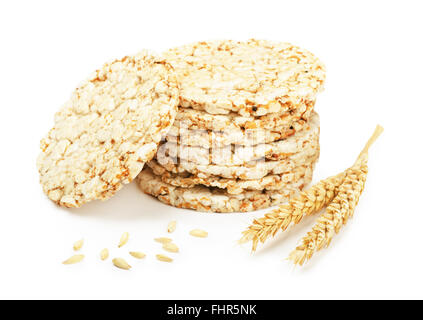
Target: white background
373,52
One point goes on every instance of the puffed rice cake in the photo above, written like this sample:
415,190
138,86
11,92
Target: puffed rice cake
252,78
238,154
236,186
252,170
206,199
108,129
201,120
221,139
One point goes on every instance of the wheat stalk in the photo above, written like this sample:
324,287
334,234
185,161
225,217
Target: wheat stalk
339,210
308,202
337,213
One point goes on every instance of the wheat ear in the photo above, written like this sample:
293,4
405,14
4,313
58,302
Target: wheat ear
339,210
308,202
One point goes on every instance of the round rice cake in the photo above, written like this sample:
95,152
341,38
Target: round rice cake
206,199
237,186
201,120
220,139
253,77
232,155
256,169
108,129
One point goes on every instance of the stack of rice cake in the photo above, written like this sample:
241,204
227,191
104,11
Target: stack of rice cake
246,135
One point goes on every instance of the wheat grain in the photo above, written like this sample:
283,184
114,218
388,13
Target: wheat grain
121,263
137,254
339,210
307,203
163,240
199,233
74,259
171,247
171,226
123,239
104,254
162,257
78,245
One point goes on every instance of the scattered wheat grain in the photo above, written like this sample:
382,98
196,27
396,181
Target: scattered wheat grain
163,240
199,233
121,263
123,239
104,254
170,247
162,257
74,259
78,245
136,254
171,226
